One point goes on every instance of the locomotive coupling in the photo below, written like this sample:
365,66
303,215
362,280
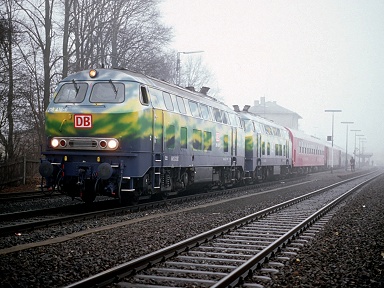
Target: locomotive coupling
46,169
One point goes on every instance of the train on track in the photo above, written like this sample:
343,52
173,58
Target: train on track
126,135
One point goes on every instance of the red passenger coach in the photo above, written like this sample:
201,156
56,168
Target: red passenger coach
308,152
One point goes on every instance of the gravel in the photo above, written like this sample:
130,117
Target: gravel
348,252
63,263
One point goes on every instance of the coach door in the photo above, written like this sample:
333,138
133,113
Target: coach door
157,154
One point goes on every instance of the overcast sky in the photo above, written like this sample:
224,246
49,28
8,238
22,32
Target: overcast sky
308,56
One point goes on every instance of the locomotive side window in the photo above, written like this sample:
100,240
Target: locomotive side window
205,112
144,99
197,139
168,101
207,141
170,137
181,105
157,99
217,114
71,93
194,109
183,137
226,143
107,92
225,117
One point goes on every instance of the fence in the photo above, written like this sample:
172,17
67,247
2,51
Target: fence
18,172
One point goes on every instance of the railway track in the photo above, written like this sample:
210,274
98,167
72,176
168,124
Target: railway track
238,253
78,212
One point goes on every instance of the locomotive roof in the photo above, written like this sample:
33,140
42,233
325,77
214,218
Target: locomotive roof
126,75
260,119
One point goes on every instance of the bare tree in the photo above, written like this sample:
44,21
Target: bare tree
6,42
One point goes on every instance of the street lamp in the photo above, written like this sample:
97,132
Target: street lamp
333,115
346,145
178,63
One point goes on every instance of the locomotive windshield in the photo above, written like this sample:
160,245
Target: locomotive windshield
107,92
102,92
72,93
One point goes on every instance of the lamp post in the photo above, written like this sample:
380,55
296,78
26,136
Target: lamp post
346,145
178,64
354,148
361,140
333,115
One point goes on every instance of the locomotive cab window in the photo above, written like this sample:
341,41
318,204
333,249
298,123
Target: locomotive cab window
71,93
107,92
144,99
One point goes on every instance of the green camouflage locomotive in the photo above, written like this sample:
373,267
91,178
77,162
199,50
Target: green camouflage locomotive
126,135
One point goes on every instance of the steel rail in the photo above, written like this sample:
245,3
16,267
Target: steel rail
130,268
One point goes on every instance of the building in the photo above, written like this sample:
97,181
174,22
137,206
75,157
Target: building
276,113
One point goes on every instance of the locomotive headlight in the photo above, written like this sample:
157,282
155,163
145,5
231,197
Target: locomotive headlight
112,144
92,73
54,143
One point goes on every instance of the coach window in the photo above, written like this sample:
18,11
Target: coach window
226,143
71,93
197,139
181,105
263,148
170,137
268,148
207,141
205,112
276,149
107,92
144,99
183,137
168,101
194,109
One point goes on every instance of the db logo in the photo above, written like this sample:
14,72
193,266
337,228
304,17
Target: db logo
83,121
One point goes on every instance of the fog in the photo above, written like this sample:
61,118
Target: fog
308,56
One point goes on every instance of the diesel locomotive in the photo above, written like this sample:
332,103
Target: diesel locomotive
130,136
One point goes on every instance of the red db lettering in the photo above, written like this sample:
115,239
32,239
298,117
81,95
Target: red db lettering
83,121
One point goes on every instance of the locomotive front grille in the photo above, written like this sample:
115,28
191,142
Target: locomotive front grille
82,143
